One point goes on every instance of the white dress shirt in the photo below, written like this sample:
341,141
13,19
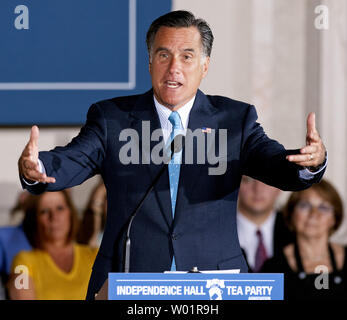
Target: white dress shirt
164,114
247,232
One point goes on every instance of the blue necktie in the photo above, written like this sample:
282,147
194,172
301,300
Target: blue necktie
174,166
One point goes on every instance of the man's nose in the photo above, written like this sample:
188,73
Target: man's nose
257,186
175,65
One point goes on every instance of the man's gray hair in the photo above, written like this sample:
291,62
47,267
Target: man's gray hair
181,19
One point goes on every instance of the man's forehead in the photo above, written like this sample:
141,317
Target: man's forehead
188,35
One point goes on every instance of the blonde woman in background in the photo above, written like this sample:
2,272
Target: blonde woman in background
58,268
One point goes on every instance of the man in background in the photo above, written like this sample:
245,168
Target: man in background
261,229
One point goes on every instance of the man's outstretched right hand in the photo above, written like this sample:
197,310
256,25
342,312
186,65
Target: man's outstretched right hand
28,163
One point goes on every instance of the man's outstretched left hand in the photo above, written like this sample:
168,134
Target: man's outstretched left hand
313,154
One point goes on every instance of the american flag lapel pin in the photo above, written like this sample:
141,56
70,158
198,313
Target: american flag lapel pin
206,130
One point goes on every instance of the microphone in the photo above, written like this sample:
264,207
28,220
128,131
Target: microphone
176,146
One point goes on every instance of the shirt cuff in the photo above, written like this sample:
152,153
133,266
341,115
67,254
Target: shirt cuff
41,169
307,174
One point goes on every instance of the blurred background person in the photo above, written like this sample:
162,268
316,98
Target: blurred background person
58,268
18,210
94,218
313,214
261,229
12,239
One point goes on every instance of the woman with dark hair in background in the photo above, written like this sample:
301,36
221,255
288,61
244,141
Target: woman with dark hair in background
313,215
94,218
57,267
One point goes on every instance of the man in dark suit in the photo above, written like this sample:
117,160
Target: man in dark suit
259,225
199,229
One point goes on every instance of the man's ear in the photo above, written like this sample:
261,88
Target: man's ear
150,67
205,66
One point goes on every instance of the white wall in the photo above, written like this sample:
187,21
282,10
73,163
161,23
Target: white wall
269,53
266,52
12,141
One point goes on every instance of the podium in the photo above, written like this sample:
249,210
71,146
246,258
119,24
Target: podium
192,286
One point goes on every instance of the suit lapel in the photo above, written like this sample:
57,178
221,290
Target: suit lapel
145,110
202,115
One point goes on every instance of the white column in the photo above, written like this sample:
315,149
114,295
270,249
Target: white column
333,96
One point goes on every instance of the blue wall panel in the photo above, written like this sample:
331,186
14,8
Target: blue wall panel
73,53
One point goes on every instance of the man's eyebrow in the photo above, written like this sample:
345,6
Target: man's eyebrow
166,49
161,49
189,50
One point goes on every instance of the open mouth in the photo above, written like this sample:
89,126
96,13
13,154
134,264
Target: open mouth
173,84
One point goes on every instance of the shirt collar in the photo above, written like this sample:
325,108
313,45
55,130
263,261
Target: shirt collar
184,111
247,225
248,238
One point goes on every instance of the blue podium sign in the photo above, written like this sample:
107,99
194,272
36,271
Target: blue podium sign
195,286
60,56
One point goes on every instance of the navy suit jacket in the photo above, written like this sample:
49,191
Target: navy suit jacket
203,233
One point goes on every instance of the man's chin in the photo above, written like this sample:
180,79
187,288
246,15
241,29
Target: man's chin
174,104
260,211
169,102
168,105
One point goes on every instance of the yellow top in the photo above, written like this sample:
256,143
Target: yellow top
52,283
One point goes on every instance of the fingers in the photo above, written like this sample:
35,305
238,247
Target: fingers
31,149
34,136
311,122
312,134
28,162
310,149
35,175
30,171
304,161
29,157
300,157
311,156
